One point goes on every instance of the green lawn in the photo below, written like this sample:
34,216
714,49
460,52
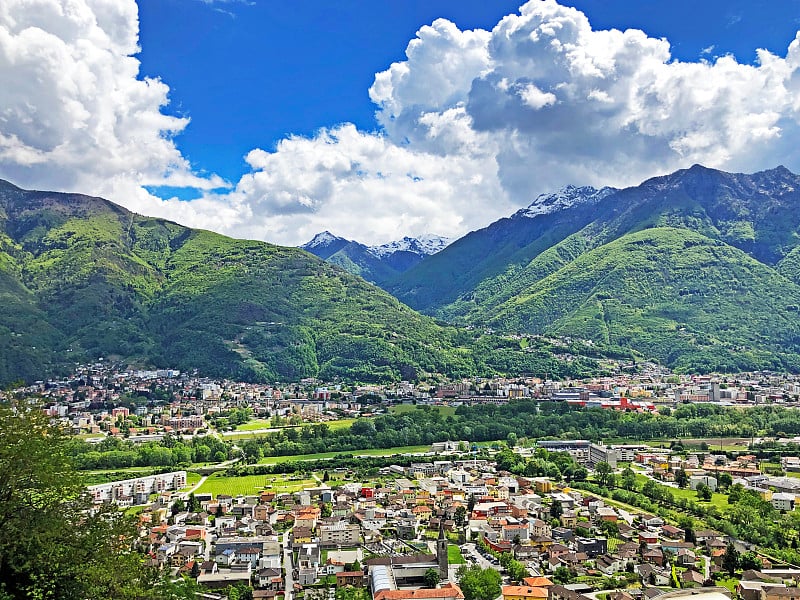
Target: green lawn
255,424
718,500
191,480
252,484
399,409
454,556
339,424
252,428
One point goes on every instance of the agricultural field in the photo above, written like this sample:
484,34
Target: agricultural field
252,484
272,460
399,409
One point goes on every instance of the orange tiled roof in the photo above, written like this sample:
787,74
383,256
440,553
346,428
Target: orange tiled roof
525,591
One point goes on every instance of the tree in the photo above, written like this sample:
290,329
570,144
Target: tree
750,560
602,473
178,506
52,546
516,570
556,509
704,492
460,516
681,478
562,575
479,584
628,479
431,578
730,560
725,480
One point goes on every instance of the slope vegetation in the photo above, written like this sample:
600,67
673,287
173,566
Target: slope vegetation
81,277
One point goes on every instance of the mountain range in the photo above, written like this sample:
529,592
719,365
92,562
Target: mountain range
81,278
378,264
699,269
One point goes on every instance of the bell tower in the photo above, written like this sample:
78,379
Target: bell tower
441,555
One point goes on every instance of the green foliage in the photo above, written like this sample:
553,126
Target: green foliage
52,546
478,583
81,277
431,578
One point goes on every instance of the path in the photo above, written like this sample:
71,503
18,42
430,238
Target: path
195,488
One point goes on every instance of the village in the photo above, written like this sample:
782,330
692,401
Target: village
414,532
107,400
544,516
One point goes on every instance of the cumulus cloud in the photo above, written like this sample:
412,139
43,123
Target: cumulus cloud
471,125
73,112
540,101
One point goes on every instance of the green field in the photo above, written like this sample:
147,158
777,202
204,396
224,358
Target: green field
252,428
255,424
272,460
454,556
399,409
718,500
191,480
252,484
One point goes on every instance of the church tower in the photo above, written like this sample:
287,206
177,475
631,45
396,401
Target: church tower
441,555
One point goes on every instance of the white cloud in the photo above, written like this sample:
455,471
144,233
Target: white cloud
472,124
73,114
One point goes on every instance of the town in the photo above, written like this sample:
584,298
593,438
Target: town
518,518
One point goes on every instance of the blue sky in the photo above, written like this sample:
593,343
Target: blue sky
275,120
251,73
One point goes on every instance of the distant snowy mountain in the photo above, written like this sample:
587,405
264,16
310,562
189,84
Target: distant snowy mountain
563,199
424,245
378,264
325,244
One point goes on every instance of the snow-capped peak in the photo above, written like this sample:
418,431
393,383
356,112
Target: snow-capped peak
321,240
424,245
565,198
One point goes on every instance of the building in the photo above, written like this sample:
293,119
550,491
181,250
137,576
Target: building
339,534
136,491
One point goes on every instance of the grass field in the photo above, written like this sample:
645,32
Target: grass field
454,556
191,480
718,500
255,424
252,484
255,428
399,409
271,460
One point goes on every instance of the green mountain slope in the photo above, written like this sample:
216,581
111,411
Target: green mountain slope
81,277
689,300
758,213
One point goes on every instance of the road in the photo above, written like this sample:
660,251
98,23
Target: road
185,495
287,568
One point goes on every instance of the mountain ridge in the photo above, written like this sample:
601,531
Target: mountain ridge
82,277
378,264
